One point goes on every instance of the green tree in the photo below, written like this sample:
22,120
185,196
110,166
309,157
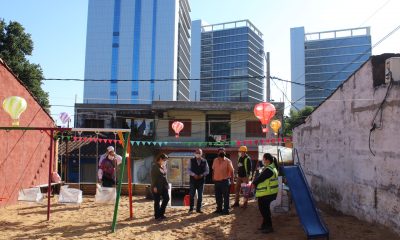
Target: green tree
296,118
15,46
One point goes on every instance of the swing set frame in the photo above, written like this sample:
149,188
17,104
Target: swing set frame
123,134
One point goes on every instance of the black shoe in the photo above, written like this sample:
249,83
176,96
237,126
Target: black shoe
218,211
163,217
268,230
190,211
199,211
225,213
236,204
261,228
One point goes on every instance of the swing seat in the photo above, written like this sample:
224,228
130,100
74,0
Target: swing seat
70,195
33,195
105,195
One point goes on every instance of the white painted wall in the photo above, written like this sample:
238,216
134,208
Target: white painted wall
334,152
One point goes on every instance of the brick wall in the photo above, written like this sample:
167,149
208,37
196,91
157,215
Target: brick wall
24,155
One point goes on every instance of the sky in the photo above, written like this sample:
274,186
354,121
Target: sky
58,30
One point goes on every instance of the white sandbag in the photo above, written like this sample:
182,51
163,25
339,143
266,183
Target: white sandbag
30,195
105,195
277,202
70,195
281,203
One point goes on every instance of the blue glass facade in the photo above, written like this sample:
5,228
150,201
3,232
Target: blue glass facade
115,53
136,49
328,62
230,62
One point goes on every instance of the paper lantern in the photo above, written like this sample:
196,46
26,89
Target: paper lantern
275,125
264,112
64,117
14,106
177,127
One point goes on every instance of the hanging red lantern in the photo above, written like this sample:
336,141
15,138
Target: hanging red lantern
264,112
177,127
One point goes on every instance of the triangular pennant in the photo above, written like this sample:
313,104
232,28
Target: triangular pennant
132,143
109,141
75,139
120,142
238,143
256,142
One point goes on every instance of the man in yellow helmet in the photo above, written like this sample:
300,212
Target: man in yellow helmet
244,170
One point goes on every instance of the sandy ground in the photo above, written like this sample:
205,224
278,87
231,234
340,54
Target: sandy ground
93,221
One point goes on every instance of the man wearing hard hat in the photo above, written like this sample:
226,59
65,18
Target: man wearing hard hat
243,173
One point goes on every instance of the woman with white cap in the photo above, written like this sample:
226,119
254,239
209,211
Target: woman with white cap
108,162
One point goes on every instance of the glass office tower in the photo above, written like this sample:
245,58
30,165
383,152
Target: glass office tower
142,41
232,62
321,61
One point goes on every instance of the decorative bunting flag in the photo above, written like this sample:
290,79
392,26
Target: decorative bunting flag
188,144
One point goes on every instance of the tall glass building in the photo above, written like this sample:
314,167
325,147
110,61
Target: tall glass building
321,61
231,62
141,41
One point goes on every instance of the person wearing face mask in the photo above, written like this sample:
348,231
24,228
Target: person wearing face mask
107,164
223,178
159,186
266,185
198,169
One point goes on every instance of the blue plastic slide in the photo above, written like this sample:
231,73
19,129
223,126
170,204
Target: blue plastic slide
312,223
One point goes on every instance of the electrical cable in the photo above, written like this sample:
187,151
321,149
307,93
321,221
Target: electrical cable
379,111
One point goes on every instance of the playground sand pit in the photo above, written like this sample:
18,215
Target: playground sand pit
93,221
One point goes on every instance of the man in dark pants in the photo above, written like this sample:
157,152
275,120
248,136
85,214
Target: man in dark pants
198,169
159,186
244,171
267,187
222,177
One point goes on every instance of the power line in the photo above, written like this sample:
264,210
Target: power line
153,80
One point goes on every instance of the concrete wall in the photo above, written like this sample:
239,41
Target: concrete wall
334,152
198,126
24,155
238,125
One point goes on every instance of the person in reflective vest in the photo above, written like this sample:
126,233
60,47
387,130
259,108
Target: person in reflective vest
243,174
266,185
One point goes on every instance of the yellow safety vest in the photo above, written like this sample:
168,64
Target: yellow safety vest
270,185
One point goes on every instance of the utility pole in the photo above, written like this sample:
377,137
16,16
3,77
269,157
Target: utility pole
268,76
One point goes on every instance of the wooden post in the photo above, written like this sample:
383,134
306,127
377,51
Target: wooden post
50,173
130,180
121,175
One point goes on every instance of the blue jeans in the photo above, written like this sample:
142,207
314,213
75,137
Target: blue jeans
222,194
199,187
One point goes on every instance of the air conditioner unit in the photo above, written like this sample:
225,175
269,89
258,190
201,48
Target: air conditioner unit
392,69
